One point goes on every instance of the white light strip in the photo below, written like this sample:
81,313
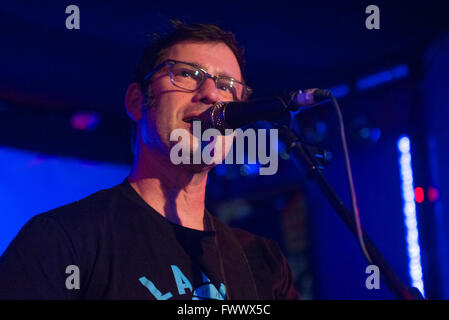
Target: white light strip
409,209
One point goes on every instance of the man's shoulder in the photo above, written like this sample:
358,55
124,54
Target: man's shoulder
89,210
250,242
255,243
246,237
270,267
256,247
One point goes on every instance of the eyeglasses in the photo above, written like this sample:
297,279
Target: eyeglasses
191,77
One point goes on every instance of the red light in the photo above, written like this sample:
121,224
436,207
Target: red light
84,121
433,194
419,194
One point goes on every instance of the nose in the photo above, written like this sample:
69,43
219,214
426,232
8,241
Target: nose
207,93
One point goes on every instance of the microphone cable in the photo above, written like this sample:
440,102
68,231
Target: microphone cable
350,179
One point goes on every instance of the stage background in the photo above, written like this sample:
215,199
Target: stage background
64,133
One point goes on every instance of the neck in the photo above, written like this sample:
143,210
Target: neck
177,192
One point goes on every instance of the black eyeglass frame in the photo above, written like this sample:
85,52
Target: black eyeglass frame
246,90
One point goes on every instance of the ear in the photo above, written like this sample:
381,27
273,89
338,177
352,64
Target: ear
133,101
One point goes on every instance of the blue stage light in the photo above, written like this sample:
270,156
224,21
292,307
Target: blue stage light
340,90
382,77
409,210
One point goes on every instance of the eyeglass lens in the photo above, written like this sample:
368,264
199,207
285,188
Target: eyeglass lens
190,78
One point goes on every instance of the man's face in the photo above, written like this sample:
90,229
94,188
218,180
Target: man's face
172,105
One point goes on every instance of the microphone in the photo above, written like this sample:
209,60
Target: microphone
233,115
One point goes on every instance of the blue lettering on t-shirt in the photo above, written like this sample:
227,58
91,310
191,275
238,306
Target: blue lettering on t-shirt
156,293
181,280
206,291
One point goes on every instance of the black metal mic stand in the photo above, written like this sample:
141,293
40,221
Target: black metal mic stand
300,153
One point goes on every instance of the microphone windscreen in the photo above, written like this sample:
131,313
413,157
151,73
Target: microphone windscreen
310,97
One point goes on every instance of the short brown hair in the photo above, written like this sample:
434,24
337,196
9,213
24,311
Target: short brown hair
156,51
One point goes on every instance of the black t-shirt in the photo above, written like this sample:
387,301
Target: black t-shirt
113,245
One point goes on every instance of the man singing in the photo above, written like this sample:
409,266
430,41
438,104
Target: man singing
151,237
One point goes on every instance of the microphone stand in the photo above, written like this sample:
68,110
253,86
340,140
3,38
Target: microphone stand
300,153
